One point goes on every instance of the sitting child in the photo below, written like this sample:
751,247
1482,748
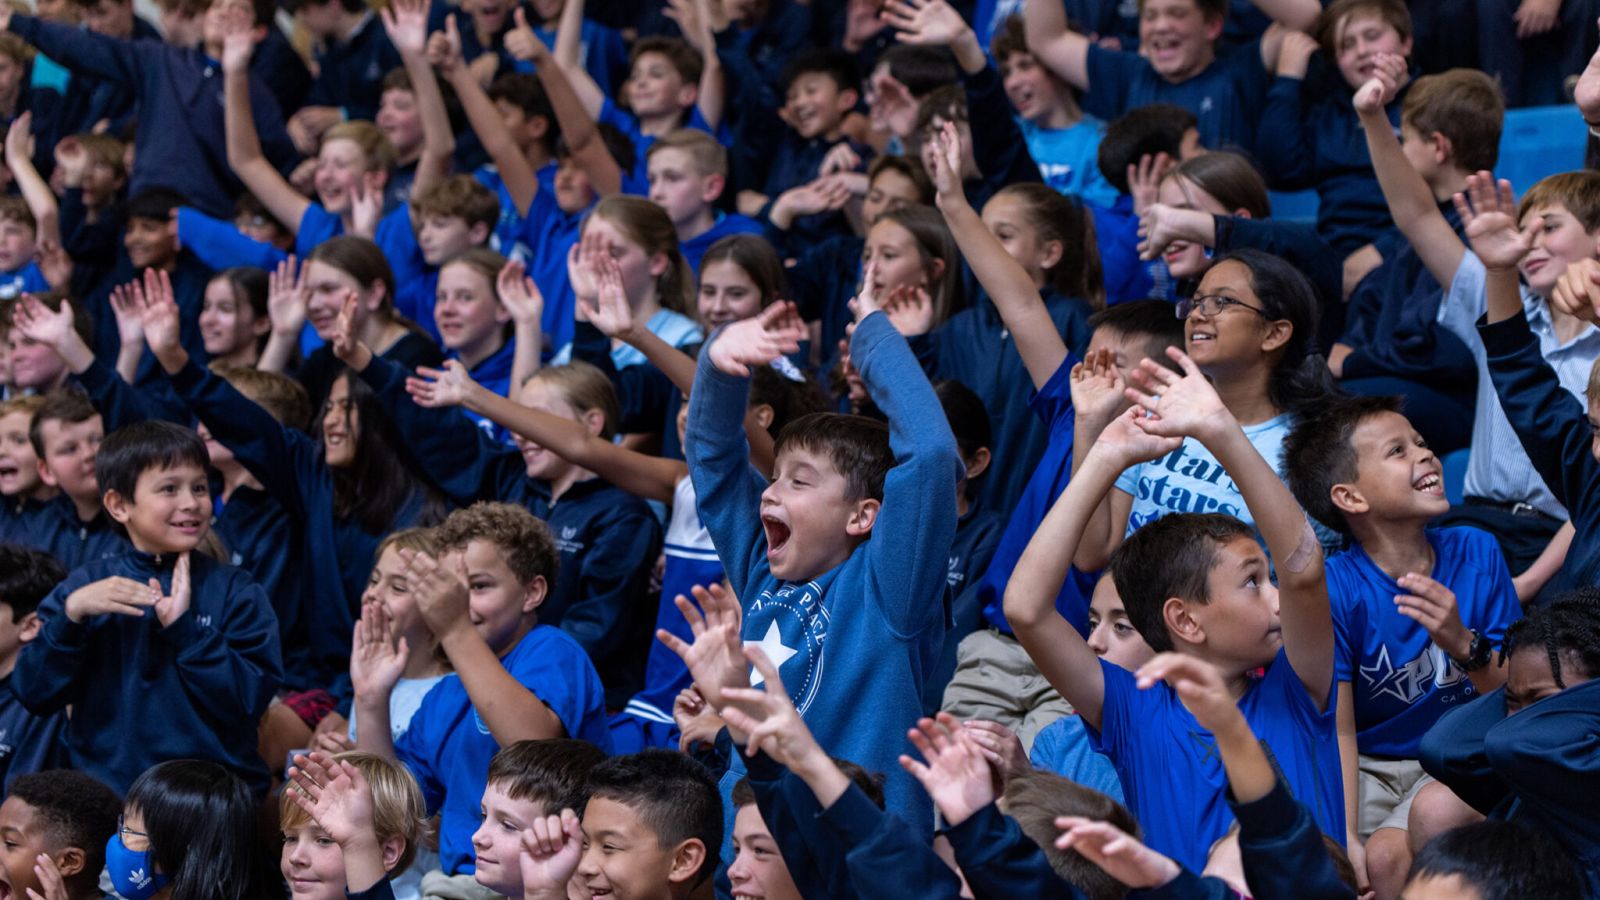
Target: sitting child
55,827
28,743
367,808
528,781
74,528
1494,860
688,171
23,492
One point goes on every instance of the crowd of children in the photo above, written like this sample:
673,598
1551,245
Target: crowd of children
783,449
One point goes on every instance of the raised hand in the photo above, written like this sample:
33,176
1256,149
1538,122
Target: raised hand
1122,856
440,591
769,719
43,325
347,346
910,310
931,23
335,795
116,596
237,41
1535,17
552,846
1097,386
697,722
378,652
406,23
520,296
1587,92
366,206
896,109
865,302
1199,687
521,41
19,140
608,310
957,775
693,22
947,163
1159,226
999,745
1177,406
776,331
450,386
1294,54
1433,606
1144,179
72,160
50,880
715,658
287,298
444,48
840,158
583,261
158,312
1487,213
1578,292
125,307
1124,442
55,265
175,602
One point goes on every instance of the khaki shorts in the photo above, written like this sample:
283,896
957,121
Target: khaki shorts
996,680
436,885
1386,788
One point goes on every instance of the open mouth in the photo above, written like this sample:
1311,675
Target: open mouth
1429,484
778,534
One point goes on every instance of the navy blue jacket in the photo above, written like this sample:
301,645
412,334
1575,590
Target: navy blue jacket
1555,433
92,98
1391,325
608,539
141,693
823,281
350,73
28,743
997,144
648,399
974,347
180,110
276,64
73,542
797,161
998,860
19,518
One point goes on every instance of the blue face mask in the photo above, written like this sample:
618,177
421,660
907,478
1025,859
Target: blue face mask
131,871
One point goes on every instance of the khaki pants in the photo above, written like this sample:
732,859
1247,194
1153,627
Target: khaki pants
996,680
1385,789
436,885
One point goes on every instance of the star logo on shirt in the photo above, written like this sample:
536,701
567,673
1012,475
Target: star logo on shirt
773,646
1405,684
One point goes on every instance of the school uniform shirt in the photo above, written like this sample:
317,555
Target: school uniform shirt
549,234
220,245
1226,96
1171,772
278,65
975,348
179,92
725,224
494,373
1065,748
28,743
637,180
854,644
73,542
824,278
26,280
1069,159
601,52
998,147
142,693
350,71
319,370
797,161
415,299
1498,467
1116,234
977,534
508,238
448,746
19,518
394,236
1402,682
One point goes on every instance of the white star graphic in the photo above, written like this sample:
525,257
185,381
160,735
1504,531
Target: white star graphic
771,644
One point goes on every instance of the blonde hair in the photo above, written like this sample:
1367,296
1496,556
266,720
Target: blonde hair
585,388
419,540
649,226
380,153
708,155
397,806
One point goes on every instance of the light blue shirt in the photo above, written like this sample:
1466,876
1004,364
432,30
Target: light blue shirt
1189,479
1069,159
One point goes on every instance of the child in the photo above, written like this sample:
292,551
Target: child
1416,611
234,321
92,176
1177,63
1508,497
56,825
189,831
520,679
65,434
489,317
1197,584
23,493
37,223
352,52
528,781
1135,150
172,123
795,548
688,171
1491,860
151,242
1063,141
18,246
651,827
100,650
28,743
366,807
453,216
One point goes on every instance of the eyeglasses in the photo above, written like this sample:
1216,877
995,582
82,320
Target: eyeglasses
125,832
1211,305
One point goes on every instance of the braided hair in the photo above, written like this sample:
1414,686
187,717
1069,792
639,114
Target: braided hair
1568,628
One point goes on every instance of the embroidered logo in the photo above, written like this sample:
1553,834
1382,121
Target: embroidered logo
791,626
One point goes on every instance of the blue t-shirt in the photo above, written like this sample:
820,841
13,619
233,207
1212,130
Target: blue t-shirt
1226,97
1172,774
26,280
1069,159
637,181
549,234
448,747
695,248
1065,748
1190,480
1401,681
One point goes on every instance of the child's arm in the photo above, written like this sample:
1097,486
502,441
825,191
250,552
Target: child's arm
337,797
1433,606
569,46
1007,284
110,392
508,709
285,203
231,670
1537,752
1349,774
1532,580
406,23
378,655
576,124
40,199
1061,49
444,52
1488,213
694,20
220,245
287,298
1055,646
1189,405
1097,398
523,300
49,668
1411,203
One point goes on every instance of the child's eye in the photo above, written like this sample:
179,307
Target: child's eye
1122,628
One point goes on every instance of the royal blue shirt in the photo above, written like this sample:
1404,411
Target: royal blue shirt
1402,681
26,280
549,234
1226,96
726,223
448,747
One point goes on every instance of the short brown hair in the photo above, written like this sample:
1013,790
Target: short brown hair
1228,177
397,806
1326,29
585,389
461,196
104,150
67,405
1035,798
279,395
15,209
857,446
552,772
16,48
1576,192
1170,557
683,57
1464,105
419,540
373,142
709,156
1210,10
907,166
524,542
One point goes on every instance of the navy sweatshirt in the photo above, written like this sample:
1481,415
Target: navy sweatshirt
975,348
998,860
28,743
141,693
73,542
1555,432
649,401
824,279
608,539
350,73
997,144
180,110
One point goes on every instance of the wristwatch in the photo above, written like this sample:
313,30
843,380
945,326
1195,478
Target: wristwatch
1478,653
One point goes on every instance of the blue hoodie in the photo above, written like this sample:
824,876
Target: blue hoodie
861,637
142,693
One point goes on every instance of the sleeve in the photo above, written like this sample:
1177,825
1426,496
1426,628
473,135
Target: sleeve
1052,403
1466,300
1453,752
85,240
727,487
643,390
1500,606
886,857
220,245
1187,886
1549,755
1125,711
46,677
1348,625
447,446
997,144
916,522
416,747
998,860
81,50
231,672
1550,422
609,583
789,809
1285,131
1111,76
549,674
1282,850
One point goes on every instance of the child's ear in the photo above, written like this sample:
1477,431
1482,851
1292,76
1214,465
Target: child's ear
1279,331
538,127
688,96
1443,150
979,463
763,414
261,327
594,420
478,233
847,100
70,861
1213,29
46,476
1181,624
935,271
30,627
686,861
862,518
392,849
658,264
1240,213
533,595
711,189
1348,499
118,506
1053,251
